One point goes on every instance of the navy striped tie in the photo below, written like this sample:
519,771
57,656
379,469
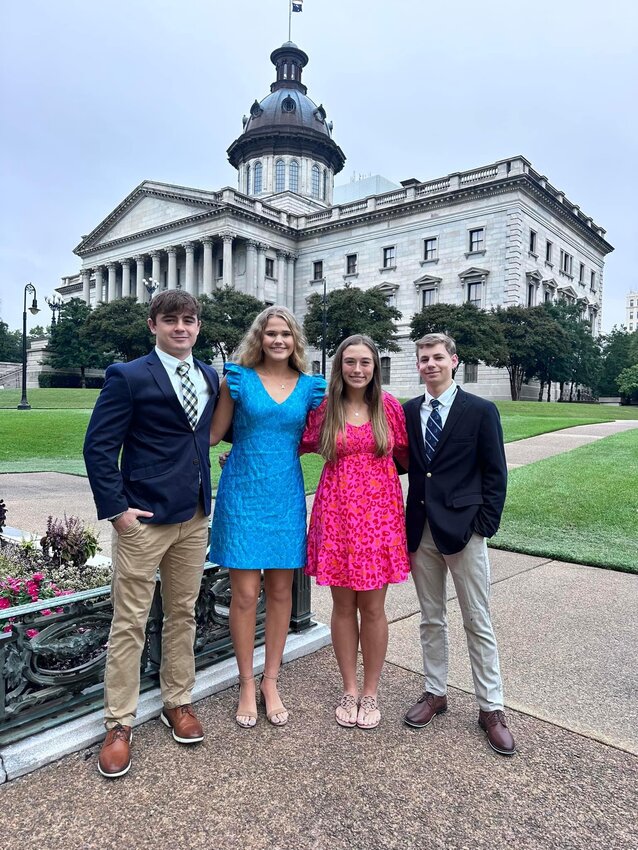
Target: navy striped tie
433,429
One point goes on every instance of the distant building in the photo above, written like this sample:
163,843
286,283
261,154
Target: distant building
497,234
631,311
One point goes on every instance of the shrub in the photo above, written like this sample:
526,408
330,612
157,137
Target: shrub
68,380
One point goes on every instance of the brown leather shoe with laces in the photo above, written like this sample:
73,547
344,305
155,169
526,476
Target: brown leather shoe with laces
183,721
425,710
115,755
500,739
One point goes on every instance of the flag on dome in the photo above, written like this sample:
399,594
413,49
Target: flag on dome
298,6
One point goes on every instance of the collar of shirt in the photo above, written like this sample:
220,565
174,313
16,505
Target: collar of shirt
171,363
446,398
200,383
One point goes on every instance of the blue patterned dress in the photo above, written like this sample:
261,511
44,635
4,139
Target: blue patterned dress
260,510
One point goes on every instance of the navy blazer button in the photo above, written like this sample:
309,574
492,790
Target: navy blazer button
422,502
195,462
428,475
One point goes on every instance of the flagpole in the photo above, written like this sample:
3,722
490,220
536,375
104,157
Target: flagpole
289,20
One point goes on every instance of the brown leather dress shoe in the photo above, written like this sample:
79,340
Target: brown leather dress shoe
425,709
115,755
498,735
183,721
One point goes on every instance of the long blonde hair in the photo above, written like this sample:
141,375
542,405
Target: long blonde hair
334,422
250,352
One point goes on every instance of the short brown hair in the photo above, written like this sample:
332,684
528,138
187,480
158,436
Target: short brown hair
435,339
175,302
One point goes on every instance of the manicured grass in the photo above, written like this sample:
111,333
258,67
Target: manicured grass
522,419
48,399
579,507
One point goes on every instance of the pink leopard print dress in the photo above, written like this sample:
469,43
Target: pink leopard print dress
357,527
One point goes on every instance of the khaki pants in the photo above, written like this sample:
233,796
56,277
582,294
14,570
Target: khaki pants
179,549
470,569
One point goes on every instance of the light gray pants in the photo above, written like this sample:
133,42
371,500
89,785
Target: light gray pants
470,569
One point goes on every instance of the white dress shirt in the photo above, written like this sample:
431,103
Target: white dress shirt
445,403
202,389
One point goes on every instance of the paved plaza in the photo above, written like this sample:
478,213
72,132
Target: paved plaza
567,642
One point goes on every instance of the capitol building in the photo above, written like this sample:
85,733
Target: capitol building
500,234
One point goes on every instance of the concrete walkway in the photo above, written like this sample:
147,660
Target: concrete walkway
567,642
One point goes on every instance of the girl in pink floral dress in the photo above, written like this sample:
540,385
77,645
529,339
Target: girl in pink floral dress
356,540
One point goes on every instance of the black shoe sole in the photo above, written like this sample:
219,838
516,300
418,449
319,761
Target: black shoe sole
496,749
423,725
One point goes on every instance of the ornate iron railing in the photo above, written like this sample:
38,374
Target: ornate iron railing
58,674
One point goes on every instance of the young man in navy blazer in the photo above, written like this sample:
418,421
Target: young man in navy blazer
156,411
457,483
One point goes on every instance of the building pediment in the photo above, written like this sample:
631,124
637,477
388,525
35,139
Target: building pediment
536,276
474,272
550,283
569,291
387,288
427,280
150,206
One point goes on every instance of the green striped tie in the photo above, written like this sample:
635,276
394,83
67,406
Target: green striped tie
189,394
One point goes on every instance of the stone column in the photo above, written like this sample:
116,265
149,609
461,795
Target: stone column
207,242
126,278
251,268
189,285
261,269
290,281
112,281
171,283
99,295
140,291
281,278
227,279
86,286
156,257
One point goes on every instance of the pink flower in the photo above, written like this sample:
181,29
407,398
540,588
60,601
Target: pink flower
38,577
31,633
7,629
4,602
47,612
59,610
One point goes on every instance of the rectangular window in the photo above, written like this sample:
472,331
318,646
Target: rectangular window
431,248
428,297
386,364
592,280
548,251
220,268
317,270
270,267
351,264
581,273
531,294
470,373
389,258
532,241
477,240
316,367
566,262
474,293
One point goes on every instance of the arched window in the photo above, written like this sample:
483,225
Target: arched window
280,176
248,179
258,178
315,181
324,188
293,176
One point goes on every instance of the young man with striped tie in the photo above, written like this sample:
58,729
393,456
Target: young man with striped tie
156,411
457,484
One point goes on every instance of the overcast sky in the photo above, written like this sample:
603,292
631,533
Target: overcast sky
98,95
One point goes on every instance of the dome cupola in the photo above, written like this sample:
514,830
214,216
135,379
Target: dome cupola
286,147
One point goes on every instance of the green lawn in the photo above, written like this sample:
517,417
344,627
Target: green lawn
523,419
48,399
581,506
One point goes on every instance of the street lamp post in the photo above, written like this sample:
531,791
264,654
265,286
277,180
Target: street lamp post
324,329
55,303
151,286
33,309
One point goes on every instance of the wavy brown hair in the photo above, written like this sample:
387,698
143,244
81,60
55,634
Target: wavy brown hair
334,422
250,352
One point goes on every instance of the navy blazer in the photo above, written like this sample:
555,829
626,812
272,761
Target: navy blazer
163,460
463,489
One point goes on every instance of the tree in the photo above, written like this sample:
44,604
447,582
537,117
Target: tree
226,316
476,333
616,357
552,360
352,311
628,382
118,330
69,347
10,344
523,330
38,331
